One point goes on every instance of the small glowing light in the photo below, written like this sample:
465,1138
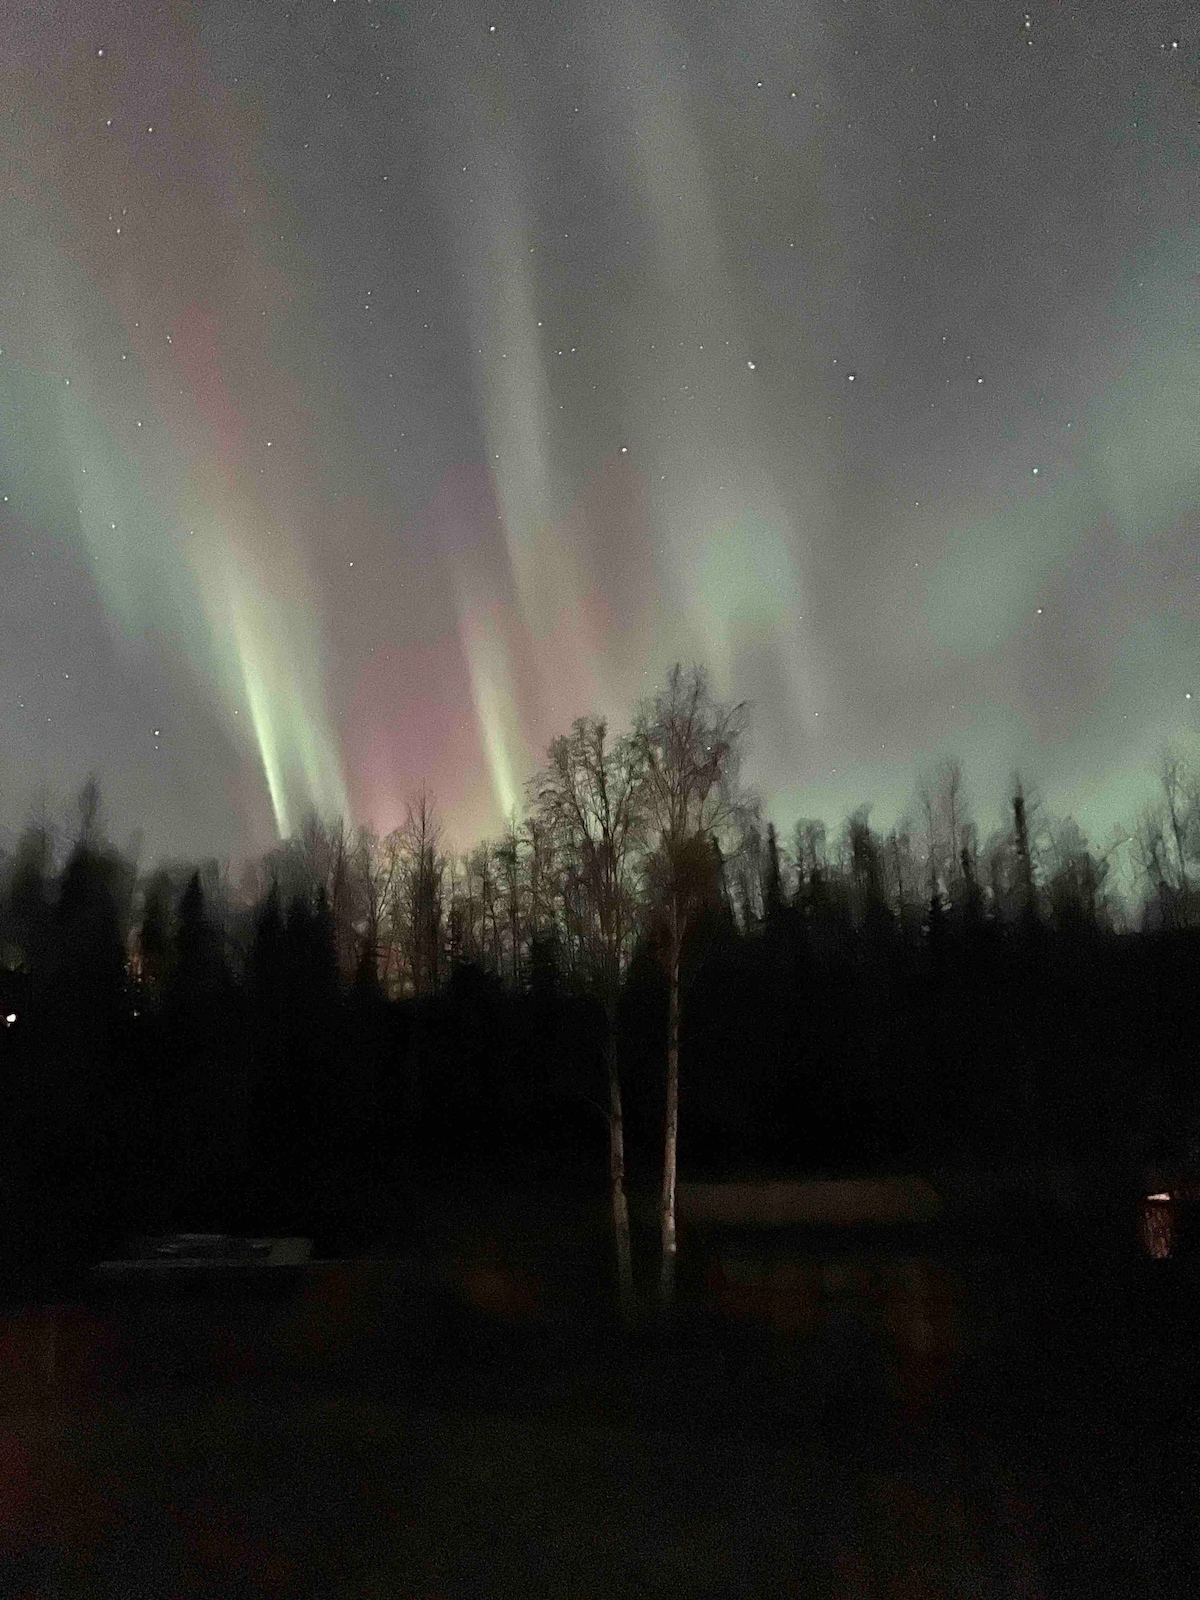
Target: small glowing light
11,1018
1158,1197
750,364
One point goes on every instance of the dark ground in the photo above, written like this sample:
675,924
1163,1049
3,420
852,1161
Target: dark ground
447,1452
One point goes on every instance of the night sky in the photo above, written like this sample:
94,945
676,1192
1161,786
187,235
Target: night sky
385,385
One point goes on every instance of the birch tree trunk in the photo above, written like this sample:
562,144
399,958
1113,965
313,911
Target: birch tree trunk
671,1131
616,1177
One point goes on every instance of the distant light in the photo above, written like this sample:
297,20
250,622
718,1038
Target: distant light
750,364
1158,1197
11,1018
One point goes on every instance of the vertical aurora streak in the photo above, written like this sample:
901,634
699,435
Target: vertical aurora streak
152,440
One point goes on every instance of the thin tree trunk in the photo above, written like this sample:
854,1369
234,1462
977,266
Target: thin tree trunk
671,1132
616,1176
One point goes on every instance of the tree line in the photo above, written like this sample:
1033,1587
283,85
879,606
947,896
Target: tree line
638,970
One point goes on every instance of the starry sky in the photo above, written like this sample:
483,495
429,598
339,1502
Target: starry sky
384,385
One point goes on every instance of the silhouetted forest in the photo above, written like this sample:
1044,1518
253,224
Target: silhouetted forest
180,1051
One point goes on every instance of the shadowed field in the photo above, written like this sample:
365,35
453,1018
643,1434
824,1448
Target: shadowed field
513,1462
189,1493
836,1423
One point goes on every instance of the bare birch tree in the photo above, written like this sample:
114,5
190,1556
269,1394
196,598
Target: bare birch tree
689,745
590,802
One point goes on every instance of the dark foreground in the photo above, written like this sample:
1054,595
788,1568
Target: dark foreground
335,1495
1058,1458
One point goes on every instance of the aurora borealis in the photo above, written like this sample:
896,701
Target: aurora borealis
383,386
